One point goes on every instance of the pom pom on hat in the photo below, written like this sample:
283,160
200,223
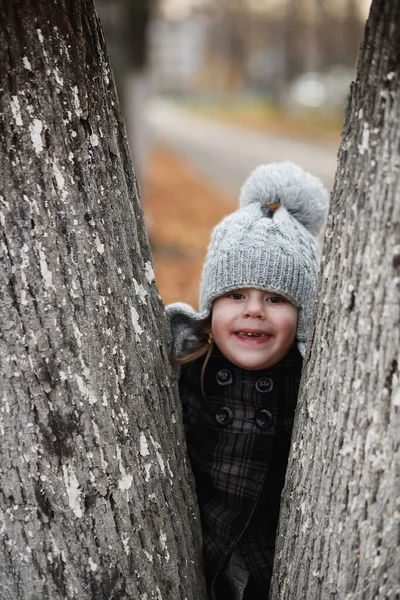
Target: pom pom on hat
301,194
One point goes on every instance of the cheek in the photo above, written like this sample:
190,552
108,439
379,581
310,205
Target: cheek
219,315
217,322
221,326
289,325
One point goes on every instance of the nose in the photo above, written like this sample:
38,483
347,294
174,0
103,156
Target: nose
254,308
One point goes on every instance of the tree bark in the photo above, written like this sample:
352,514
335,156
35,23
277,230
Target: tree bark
95,497
340,518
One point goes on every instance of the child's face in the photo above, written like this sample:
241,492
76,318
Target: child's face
253,329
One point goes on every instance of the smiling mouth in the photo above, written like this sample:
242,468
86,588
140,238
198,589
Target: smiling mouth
250,334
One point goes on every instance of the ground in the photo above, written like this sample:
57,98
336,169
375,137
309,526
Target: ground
181,210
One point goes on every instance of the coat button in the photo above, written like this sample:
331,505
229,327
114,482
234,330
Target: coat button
264,419
224,416
224,377
264,385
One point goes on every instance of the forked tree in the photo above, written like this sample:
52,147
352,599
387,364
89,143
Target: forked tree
95,498
340,516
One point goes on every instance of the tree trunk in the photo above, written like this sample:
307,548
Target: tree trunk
340,518
95,500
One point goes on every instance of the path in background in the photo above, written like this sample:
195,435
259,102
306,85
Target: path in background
180,211
226,154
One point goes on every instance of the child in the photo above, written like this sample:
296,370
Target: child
240,362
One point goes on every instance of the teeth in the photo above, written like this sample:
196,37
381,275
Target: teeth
249,334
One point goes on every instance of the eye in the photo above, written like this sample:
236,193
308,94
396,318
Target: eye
276,300
235,296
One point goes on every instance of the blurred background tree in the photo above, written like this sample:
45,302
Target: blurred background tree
244,48
126,24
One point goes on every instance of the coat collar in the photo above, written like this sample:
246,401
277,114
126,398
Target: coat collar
292,360
224,379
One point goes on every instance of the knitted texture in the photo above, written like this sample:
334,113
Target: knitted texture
303,195
255,248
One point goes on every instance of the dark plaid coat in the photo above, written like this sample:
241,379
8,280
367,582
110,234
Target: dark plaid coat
238,440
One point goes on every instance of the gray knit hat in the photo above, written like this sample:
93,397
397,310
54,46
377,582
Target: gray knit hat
268,243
